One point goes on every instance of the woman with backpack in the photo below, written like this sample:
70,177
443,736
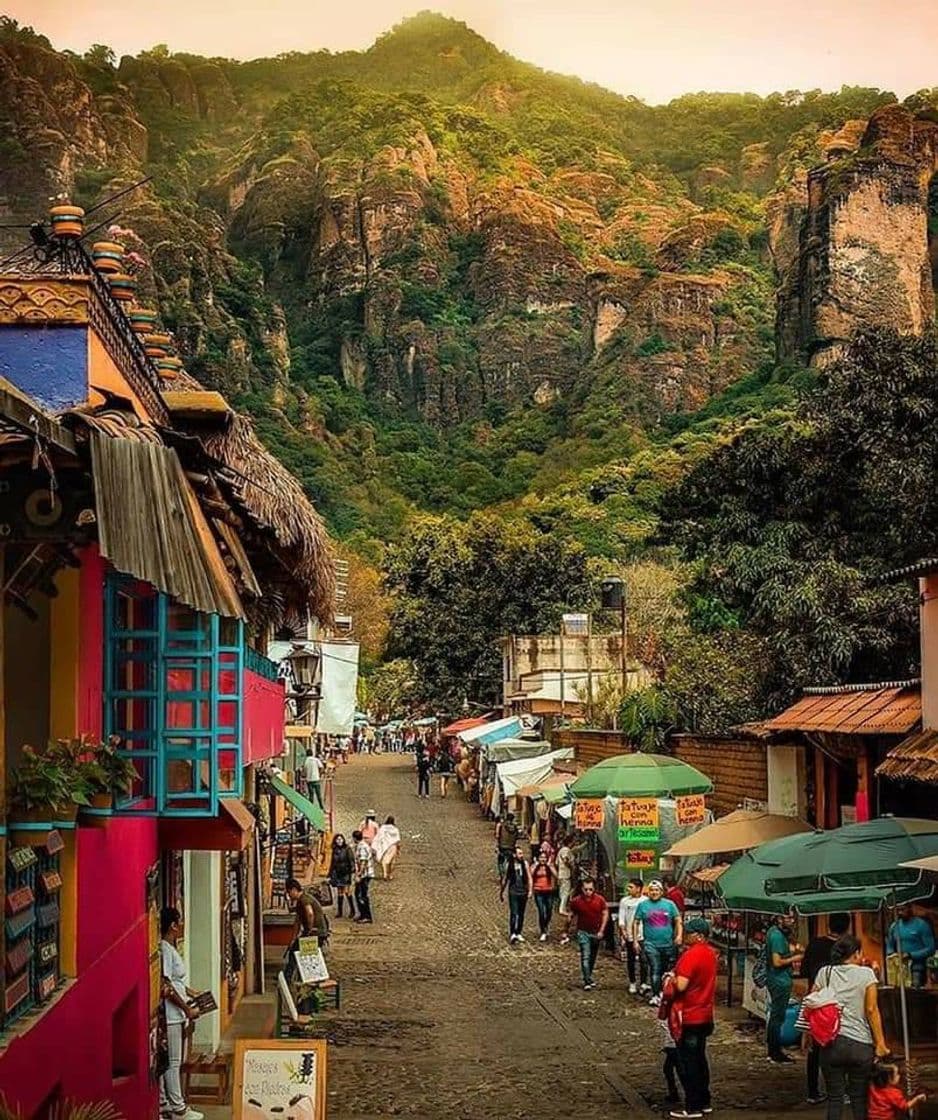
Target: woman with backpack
853,1033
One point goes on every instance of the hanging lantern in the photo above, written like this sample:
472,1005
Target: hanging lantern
123,287
67,221
142,319
107,256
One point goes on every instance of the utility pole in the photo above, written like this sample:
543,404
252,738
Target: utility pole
589,669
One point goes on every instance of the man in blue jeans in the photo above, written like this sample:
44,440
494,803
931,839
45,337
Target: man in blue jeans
662,933
590,912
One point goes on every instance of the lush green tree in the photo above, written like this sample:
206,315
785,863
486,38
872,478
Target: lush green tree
647,716
790,522
459,587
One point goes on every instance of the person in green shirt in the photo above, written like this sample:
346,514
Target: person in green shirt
781,954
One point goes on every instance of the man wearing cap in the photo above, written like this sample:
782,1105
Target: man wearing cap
695,978
660,934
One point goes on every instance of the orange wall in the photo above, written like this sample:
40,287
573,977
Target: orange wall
104,374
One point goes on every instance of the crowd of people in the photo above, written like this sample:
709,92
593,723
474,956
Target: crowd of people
667,955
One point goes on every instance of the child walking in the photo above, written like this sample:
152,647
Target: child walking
886,1099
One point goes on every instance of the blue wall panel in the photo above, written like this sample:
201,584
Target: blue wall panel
49,364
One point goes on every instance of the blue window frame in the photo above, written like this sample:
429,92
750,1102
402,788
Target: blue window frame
173,696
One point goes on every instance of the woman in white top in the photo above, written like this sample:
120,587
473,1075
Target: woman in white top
178,1012
848,1061
386,847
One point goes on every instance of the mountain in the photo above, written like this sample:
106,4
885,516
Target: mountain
438,277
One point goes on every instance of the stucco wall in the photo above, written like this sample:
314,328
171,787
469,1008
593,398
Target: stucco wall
262,717
49,363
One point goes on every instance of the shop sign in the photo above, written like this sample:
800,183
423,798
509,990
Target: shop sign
691,809
276,1078
589,815
641,859
310,963
638,820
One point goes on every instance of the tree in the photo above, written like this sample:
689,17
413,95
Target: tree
459,587
100,55
789,523
646,717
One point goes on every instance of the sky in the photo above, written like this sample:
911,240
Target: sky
654,49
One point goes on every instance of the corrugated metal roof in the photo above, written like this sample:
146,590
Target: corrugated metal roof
151,526
881,711
915,759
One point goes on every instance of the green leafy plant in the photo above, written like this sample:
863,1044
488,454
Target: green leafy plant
42,781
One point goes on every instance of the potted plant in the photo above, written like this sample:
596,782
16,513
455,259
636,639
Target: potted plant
115,774
41,791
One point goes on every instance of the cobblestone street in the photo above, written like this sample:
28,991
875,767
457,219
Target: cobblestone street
441,1018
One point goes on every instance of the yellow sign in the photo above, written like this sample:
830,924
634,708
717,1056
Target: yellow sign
642,859
638,812
278,1077
691,809
589,815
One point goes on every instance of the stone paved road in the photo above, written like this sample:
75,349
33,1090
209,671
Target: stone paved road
441,1018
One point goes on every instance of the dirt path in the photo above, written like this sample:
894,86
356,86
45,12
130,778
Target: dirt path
441,1018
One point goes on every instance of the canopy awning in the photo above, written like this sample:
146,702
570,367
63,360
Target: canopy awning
738,832
228,831
492,732
464,724
506,750
313,813
520,772
555,780
891,709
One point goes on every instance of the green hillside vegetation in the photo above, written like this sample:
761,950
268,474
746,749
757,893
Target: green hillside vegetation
398,261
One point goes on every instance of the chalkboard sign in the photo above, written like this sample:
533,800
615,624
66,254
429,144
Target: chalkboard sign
279,1079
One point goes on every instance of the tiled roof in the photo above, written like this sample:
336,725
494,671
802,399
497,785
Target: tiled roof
890,710
915,759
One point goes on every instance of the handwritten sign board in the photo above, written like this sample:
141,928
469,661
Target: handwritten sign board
641,859
310,963
279,1078
589,815
638,820
691,809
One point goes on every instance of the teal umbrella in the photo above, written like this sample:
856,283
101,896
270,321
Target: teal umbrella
862,855
640,775
743,885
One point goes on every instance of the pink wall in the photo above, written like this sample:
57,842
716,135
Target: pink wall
70,1049
263,718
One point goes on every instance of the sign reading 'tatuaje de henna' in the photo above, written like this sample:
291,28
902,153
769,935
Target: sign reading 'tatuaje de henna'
589,815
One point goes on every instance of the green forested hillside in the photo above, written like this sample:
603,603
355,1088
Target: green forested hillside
444,281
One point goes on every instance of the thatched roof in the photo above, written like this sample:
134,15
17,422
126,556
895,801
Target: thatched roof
274,500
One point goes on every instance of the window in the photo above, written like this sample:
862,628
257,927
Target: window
173,697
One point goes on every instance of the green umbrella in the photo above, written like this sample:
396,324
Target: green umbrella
640,775
743,885
858,855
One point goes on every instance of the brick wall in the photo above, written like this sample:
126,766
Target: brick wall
737,767
590,747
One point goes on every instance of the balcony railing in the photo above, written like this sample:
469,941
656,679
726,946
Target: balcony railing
258,663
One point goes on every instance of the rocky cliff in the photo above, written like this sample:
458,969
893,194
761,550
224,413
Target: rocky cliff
865,251
429,251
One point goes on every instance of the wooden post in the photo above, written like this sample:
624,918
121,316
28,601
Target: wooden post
589,669
820,790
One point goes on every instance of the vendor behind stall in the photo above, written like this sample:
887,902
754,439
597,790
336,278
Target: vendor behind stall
914,937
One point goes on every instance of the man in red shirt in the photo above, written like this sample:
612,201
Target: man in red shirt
590,913
674,893
695,978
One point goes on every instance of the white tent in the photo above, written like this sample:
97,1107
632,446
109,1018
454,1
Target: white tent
511,776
